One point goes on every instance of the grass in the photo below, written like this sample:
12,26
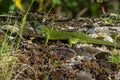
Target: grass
7,60
7,51
9,48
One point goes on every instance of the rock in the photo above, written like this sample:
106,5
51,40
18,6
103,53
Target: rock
83,75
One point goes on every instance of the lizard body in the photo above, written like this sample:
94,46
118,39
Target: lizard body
72,37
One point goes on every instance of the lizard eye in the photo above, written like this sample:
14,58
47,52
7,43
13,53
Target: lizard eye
35,26
32,23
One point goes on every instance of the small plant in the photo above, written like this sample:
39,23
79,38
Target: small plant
114,57
53,66
107,20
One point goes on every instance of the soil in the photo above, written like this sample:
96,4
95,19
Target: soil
56,61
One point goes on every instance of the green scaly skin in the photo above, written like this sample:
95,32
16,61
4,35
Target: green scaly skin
72,37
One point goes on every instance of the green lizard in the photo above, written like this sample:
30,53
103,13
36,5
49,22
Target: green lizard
72,37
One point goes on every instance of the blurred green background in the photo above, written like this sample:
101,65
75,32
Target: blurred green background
69,8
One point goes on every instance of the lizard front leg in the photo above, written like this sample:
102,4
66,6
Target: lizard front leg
48,35
46,40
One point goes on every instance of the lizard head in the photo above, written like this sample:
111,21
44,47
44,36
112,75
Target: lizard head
40,29
34,25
